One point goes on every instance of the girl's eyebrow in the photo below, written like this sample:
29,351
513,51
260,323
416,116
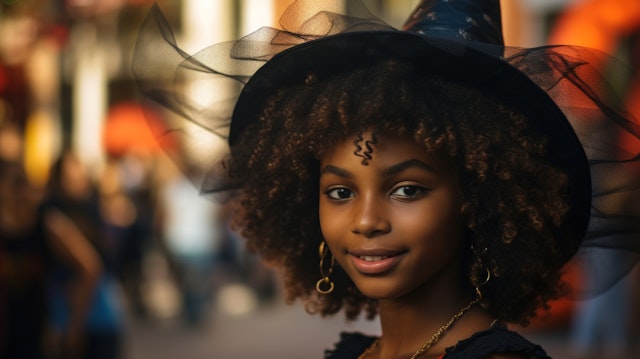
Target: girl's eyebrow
395,169
336,171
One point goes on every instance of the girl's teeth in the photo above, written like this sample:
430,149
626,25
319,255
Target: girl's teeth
373,258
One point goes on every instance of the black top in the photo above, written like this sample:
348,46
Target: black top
497,339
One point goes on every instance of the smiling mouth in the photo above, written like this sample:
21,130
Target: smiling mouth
373,258
375,263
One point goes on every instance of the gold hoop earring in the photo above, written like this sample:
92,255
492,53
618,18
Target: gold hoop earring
325,285
486,280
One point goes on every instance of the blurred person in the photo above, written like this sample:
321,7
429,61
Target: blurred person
128,212
191,231
24,260
35,242
602,326
97,331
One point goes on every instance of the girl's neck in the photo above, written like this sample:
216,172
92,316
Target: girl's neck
409,322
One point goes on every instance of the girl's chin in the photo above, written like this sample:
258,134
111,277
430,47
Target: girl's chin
379,291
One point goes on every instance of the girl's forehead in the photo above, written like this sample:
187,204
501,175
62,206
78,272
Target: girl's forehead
373,148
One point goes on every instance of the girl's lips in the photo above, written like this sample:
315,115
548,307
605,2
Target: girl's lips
374,261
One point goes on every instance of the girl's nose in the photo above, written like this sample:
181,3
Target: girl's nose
370,218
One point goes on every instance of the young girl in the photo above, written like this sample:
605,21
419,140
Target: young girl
422,176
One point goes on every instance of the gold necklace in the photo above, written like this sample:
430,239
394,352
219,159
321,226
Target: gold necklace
434,338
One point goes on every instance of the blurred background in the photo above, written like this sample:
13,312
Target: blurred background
107,251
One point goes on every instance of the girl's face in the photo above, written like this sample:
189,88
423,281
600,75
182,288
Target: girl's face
394,225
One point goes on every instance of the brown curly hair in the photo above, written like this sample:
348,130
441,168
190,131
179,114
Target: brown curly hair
515,201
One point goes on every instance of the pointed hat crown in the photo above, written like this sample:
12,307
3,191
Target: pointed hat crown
471,20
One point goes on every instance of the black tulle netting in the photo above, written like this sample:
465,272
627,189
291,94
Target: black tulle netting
174,81
611,140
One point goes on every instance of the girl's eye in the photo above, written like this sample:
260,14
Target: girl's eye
339,193
408,192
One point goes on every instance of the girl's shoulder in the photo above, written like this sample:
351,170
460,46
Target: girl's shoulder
497,339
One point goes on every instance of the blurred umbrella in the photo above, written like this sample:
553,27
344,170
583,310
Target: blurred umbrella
128,129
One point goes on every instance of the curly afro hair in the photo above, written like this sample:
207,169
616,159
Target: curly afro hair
514,201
